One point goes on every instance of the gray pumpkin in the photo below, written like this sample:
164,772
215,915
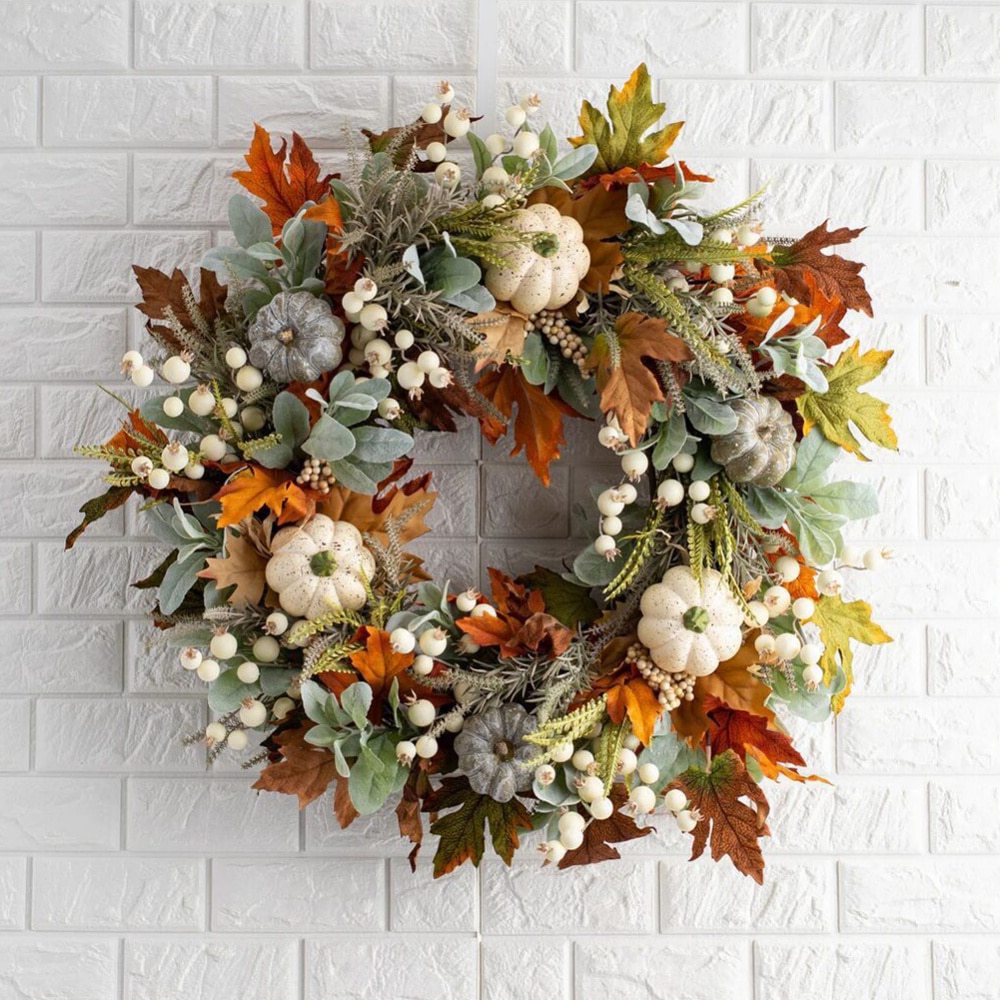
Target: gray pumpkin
492,752
295,338
762,448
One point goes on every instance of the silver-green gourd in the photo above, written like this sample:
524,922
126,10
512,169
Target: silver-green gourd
492,752
762,447
295,338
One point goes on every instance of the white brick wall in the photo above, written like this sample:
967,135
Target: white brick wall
126,873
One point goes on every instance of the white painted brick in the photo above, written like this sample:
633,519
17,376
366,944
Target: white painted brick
898,492
317,107
505,962
251,970
434,448
214,814
58,970
191,189
218,34
128,110
80,814
963,197
376,835
151,663
811,970
136,735
893,668
917,736
302,894
18,110
959,655
36,186
64,34
63,657
420,902
13,893
845,817
526,899
454,512
963,503
966,970
764,116
705,38
702,896
924,275
516,503
97,266
15,578
81,414
426,968
65,491
152,894
95,578
918,118
919,895
361,34
965,816
844,39
801,193
903,335
705,969
963,352
77,343
17,282
534,35
17,430
15,724
962,41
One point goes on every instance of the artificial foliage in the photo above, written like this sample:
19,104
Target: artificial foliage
650,678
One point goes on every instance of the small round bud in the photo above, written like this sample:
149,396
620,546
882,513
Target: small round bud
675,800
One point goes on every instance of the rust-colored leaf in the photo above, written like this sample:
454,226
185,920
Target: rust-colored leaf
242,566
169,295
343,807
731,825
538,425
284,187
253,488
629,695
627,386
305,771
601,834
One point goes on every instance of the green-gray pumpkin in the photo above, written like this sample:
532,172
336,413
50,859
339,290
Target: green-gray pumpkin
492,752
762,447
295,338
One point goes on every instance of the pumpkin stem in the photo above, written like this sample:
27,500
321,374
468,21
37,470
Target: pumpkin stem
503,750
546,244
287,335
696,619
323,563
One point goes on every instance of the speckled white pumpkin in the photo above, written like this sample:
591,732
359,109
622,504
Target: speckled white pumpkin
689,626
318,567
531,282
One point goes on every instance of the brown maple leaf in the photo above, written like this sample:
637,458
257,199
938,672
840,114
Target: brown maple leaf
627,386
504,332
284,187
601,214
727,822
600,834
834,275
242,566
305,770
538,425
166,297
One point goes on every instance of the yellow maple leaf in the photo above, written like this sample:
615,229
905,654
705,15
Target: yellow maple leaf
841,405
621,137
838,624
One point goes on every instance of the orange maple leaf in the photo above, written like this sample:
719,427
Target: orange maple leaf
378,663
255,487
538,426
283,187
630,695
627,386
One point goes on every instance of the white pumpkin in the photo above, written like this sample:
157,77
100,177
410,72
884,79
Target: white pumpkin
531,282
318,567
690,626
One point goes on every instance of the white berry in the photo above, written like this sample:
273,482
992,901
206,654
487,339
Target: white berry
158,479
174,456
571,821
608,503
649,773
627,761
223,645
699,490
253,713
433,641
421,713
545,774
675,800
611,525
811,653
431,113
571,839
405,752
276,623
685,821
238,739
236,357
634,464
562,752
601,808
426,746
142,376
788,569
605,545
787,646
803,608
582,759
670,492
643,798
525,144
829,582
515,116
212,447
190,658
410,375
173,406
554,851
266,649
683,462
215,732
176,370
248,672
590,788
402,640
813,675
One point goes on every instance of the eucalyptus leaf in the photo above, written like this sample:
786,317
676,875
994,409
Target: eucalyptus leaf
710,416
227,692
534,360
249,223
356,701
595,570
330,440
690,231
481,156
670,441
152,412
291,420
376,774
380,444
476,299
411,263
179,578
574,163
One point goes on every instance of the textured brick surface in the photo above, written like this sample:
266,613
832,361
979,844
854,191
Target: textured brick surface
127,873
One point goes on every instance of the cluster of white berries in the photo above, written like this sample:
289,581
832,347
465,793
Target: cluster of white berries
677,803
370,348
671,689
252,712
610,504
455,122
555,328
591,791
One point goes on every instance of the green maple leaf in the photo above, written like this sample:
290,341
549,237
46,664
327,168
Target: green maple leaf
462,832
621,138
838,624
841,405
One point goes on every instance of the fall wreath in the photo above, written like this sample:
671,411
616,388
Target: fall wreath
652,674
